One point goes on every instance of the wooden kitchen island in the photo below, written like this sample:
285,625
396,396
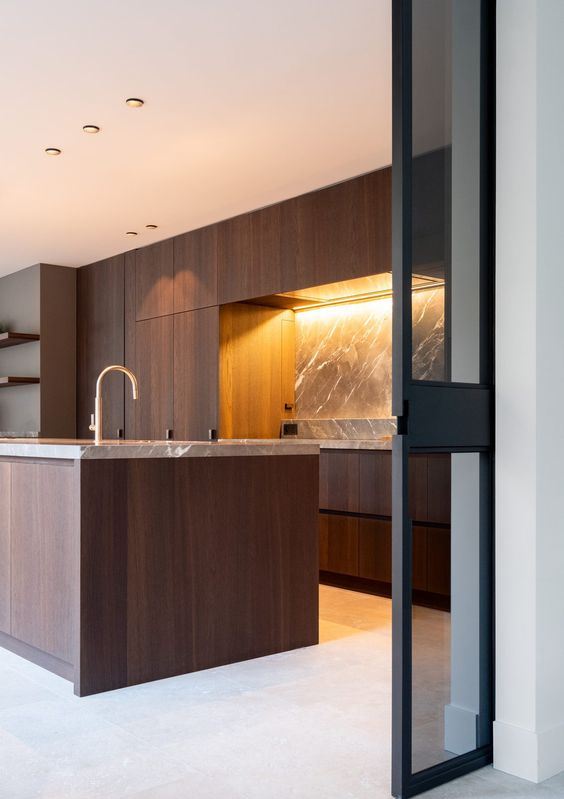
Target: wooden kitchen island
129,562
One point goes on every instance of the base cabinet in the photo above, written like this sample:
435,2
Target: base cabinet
355,528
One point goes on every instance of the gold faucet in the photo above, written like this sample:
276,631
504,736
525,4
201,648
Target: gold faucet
96,424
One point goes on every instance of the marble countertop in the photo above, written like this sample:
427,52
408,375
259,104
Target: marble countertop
86,450
383,442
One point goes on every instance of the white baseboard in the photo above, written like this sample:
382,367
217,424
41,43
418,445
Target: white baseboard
534,756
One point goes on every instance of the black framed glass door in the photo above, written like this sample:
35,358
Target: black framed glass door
442,171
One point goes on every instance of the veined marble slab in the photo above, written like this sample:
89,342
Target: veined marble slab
349,429
87,450
9,434
384,442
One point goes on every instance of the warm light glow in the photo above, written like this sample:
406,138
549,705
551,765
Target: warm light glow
91,128
53,151
134,102
346,309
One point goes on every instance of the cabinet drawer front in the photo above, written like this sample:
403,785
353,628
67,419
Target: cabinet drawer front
375,550
338,481
338,544
376,483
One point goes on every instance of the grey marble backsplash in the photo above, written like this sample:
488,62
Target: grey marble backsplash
344,357
344,429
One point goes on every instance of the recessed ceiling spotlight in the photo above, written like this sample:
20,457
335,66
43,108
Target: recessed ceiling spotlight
91,128
131,233
134,102
53,151
151,227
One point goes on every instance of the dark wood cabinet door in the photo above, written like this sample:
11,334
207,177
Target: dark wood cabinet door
236,278
153,411
376,483
420,560
154,275
439,560
195,269
338,544
275,248
375,550
439,487
418,485
100,342
345,230
338,480
196,373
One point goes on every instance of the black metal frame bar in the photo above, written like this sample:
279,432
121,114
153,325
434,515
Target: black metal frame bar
466,421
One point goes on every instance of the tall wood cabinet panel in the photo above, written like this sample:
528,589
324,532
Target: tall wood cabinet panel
154,280
195,269
100,342
153,411
195,367
5,513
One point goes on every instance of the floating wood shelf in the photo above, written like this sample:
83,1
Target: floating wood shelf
12,339
17,381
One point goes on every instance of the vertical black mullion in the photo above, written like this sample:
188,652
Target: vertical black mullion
487,189
401,620
401,208
401,379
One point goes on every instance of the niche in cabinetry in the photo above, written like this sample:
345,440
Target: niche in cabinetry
256,370
39,302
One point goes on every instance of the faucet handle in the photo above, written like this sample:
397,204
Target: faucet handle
92,425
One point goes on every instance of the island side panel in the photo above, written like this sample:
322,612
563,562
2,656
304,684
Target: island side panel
222,561
44,561
5,535
102,639
160,586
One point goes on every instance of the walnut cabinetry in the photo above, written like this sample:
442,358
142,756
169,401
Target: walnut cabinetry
337,233
100,342
356,529
154,274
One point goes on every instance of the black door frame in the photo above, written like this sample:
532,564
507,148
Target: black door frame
433,416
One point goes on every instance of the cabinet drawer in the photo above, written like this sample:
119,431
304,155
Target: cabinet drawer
338,544
375,550
439,560
338,481
375,483
439,488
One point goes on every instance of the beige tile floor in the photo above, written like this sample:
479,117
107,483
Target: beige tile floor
310,724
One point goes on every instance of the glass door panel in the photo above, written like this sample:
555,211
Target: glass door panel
442,389
446,119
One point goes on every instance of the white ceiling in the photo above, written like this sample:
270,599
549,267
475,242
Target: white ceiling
247,102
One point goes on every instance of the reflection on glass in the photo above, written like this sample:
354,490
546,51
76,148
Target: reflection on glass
450,712
446,179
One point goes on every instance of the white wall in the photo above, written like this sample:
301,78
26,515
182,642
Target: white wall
529,726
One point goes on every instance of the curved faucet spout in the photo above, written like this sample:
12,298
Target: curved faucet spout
97,417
